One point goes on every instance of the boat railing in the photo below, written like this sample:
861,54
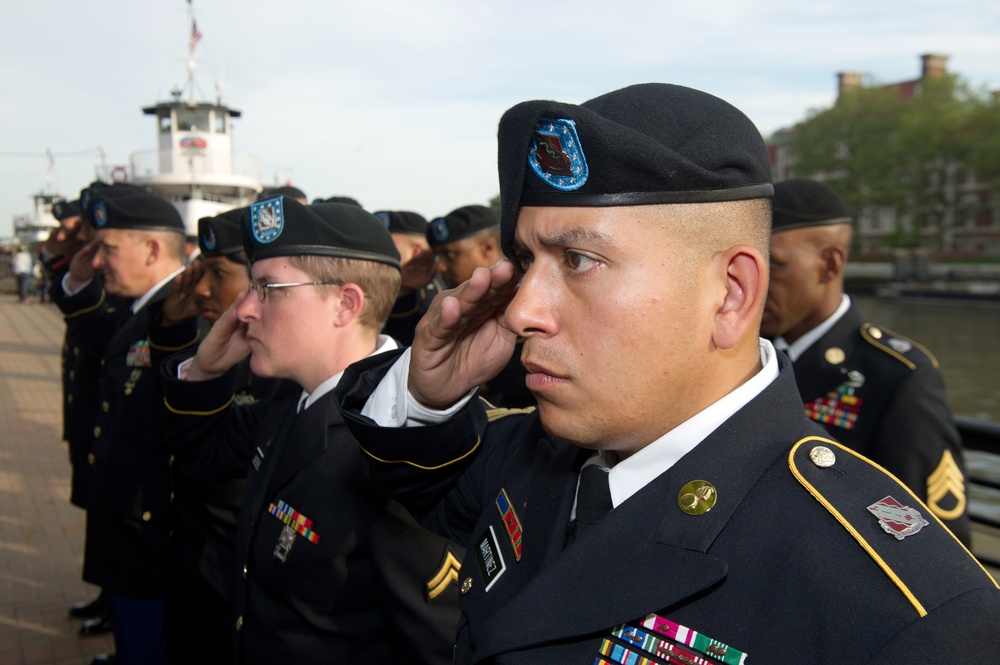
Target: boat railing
983,436
149,164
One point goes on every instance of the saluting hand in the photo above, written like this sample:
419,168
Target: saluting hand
181,304
81,267
224,346
419,270
462,340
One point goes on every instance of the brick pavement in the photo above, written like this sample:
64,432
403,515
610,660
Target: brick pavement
41,533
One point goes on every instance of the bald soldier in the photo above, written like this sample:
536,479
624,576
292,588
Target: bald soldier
668,500
874,390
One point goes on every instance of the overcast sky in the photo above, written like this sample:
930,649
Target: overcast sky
396,102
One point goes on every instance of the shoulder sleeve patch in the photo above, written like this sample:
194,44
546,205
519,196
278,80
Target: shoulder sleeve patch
895,345
903,537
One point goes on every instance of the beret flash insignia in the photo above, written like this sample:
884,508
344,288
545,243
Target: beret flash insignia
383,217
100,214
209,239
556,156
440,230
267,220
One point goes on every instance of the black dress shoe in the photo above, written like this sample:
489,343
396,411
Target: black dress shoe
87,610
96,626
103,659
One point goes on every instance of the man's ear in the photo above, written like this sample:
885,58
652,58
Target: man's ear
746,288
153,250
352,302
833,258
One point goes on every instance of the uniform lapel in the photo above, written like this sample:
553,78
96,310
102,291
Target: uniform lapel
648,555
308,440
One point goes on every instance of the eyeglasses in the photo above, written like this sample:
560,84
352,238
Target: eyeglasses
262,289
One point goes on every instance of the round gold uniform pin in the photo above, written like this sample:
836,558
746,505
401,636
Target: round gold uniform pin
697,497
834,355
822,457
875,333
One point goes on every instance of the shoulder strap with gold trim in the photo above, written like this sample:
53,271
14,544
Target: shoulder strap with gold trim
901,535
897,346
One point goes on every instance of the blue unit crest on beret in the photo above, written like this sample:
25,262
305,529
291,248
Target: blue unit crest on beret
208,238
57,209
440,230
556,155
267,220
383,217
100,214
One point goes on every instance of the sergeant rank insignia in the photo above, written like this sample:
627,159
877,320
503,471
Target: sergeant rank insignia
511,522
896,519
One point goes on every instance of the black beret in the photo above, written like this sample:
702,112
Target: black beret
117,190
340,199
403,221
140,212
461,223
65,209
220,235
645,144
287,190
284,227
800,202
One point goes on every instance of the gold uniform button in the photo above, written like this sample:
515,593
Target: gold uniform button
244,572
69,399
72,374
97,432
822,457
103,362
76,350
875,332
91,458
171,461
171,496
834,356
466,586
106,406
239,623
146,516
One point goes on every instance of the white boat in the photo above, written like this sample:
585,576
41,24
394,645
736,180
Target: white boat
36,226
193,165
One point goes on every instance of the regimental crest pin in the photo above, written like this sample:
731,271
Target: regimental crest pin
267,220
556,155
511,522
896,519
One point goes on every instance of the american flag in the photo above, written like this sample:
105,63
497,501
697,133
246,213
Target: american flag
195,36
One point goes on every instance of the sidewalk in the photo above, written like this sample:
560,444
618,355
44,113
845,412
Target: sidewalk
41,533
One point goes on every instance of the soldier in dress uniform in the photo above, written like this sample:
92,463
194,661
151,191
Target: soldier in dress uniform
327,568
466,239
137,254
668,501
874,390
420,281
201,594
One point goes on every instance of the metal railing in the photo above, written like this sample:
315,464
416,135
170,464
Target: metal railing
983,436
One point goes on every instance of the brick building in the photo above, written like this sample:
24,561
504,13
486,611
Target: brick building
969,227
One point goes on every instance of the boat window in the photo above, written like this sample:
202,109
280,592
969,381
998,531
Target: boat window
165,124
220,122
192,120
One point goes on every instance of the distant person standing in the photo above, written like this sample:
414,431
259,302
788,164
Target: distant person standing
874,390
23,267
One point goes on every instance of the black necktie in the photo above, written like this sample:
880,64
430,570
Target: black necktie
593,498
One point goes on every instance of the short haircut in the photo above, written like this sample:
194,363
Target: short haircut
379,281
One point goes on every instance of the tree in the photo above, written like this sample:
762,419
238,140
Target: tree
884,150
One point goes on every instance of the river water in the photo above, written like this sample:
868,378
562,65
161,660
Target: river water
964,337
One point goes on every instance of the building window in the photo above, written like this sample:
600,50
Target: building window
165,124
220,122
192,120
